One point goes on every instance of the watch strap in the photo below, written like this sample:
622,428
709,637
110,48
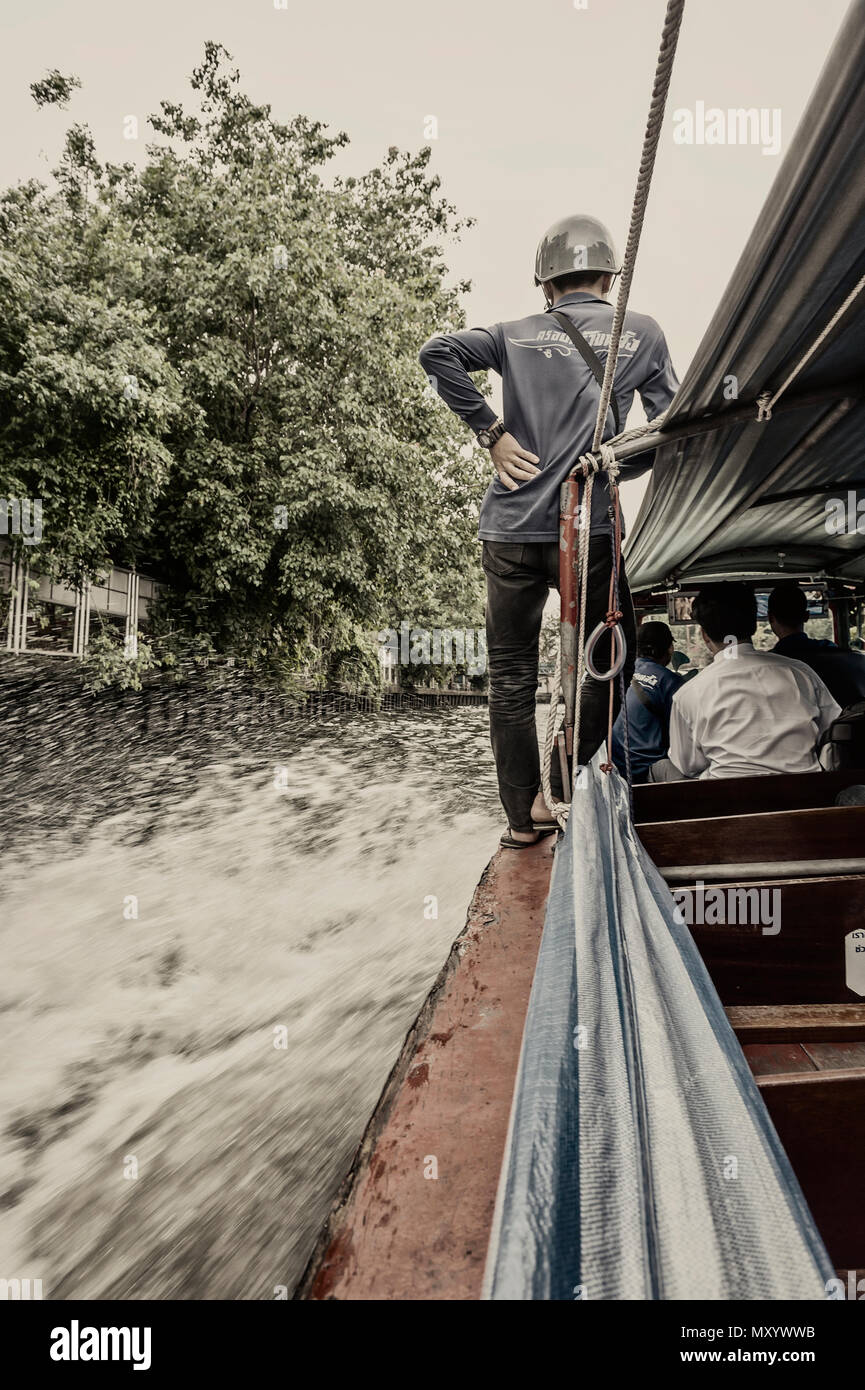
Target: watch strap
492,432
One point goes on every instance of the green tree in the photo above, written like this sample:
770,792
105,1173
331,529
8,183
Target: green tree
284,463
87,394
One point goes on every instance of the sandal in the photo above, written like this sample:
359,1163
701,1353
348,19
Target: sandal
507,841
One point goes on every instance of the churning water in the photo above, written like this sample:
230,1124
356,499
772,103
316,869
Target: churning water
210,964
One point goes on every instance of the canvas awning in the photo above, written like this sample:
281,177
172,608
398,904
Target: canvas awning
747,497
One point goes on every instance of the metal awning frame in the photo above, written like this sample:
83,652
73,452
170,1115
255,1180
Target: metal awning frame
748,413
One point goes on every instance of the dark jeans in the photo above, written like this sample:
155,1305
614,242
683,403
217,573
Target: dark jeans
519,578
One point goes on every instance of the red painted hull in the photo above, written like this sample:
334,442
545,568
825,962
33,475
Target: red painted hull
396,1231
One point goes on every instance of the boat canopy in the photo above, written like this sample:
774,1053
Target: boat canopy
733,492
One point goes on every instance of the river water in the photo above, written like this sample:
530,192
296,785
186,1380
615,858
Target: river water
210,967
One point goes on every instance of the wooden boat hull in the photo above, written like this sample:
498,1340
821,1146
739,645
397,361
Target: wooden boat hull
412,1218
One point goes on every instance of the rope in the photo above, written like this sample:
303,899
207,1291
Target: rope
766,402
616,543
663,73
583,536
558,809
636,433
614,612
588,464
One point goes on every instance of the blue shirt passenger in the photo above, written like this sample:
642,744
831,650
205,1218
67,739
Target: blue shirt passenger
648,703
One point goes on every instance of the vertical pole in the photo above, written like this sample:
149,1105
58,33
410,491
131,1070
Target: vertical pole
81,630
16,637
569,506
12,627
85,618
131,644
25,602
564,766
76,622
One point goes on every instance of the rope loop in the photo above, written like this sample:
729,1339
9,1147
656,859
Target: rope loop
610,624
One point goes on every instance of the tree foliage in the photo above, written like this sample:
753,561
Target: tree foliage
209,364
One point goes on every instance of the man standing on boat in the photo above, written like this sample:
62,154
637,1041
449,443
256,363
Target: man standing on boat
550,364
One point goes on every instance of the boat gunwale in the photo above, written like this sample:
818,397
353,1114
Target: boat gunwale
378,1120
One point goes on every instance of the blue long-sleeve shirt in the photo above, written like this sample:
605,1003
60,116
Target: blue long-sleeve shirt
648,724
550,401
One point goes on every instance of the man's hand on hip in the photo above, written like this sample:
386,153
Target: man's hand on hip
512,462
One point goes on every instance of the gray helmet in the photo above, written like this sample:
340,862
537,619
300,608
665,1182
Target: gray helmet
575,243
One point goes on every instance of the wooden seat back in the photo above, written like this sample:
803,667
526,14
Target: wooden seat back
726,796
824,833
797,953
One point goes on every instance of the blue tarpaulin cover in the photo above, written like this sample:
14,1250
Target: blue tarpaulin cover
641,1162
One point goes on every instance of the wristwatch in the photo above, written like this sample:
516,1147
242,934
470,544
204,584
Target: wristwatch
487,438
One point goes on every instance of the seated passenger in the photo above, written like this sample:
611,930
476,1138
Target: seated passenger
647,702
842,671
749,712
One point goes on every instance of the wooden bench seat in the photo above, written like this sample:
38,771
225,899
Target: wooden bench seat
809,1064
771,1024
725,796
780,1059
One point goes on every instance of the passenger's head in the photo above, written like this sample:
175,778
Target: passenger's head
788,608
655,643
723,611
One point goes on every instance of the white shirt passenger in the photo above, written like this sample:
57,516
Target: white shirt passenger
750,712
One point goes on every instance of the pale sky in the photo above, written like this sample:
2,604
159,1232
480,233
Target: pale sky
540,107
